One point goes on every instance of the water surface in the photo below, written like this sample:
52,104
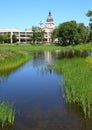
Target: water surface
38,98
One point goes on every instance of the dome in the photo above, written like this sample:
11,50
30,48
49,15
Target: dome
49,19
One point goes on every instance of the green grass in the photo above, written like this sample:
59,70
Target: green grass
12,56
7,113
89,59
78,82
11,59
84,47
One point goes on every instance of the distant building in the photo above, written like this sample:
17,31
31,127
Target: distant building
21,36
48,28
24,36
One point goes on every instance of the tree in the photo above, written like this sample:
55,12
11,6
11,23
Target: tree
54,34
14,39
89,14
66,32
38,35
82,33
42,32
1,39
5,38
34,36
70,33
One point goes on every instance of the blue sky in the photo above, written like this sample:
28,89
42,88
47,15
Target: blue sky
27,13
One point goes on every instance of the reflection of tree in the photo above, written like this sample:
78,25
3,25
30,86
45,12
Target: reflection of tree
3,79
71,53
50,67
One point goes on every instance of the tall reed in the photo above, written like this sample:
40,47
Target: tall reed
7,113
78,82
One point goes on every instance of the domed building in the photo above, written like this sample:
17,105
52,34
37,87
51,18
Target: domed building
24,36
49,20
48,28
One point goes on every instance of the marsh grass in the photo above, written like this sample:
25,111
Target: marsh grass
7,113
14,55
87,46
78,82
89,59
12,59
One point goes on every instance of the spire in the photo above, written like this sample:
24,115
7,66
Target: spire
49,13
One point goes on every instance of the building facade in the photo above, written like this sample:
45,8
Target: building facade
24,36
48,28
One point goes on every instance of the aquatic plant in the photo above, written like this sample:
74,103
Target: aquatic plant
89,59
7,113
87,46
78,82
12,55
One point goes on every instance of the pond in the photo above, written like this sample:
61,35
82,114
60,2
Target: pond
35,91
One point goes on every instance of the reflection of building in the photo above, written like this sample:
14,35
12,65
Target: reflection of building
43,61
48,57
24,36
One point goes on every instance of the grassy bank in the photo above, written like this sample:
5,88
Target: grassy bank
87,47
78,82
12,59
13,55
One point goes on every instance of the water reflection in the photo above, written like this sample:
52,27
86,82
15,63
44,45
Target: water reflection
45,61
39,101
3,80
90,53
71,53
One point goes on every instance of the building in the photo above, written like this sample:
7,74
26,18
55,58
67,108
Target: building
24,36
21,36
48,28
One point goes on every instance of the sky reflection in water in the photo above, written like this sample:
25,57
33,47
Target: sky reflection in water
35,91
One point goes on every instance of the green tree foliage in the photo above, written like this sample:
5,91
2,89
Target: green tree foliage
89,14
67,32
54,34
42,32
4,38
38,35
14,39
82,33
1,39
70,33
